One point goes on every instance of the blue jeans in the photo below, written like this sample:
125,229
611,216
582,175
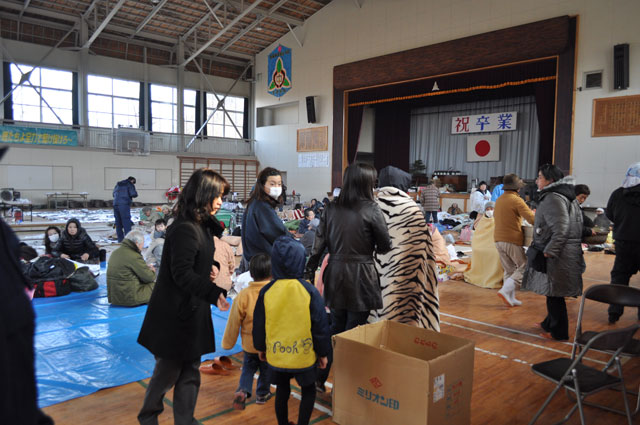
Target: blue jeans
122,214
250,365
432,213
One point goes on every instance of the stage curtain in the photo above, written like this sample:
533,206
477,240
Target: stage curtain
354,121
432,142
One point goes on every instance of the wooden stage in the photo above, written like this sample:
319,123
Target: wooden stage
505,391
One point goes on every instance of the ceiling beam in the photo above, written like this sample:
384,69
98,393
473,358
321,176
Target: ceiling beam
222,31
104,24
26,4
250,27
149,17
92,6
264,11
43,12
200,22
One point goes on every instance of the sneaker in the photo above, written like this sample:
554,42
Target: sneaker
262,399
239,399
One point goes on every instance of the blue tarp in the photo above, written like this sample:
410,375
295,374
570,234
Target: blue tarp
83,344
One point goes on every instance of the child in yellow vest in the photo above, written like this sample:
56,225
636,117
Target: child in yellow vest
290,329
241,321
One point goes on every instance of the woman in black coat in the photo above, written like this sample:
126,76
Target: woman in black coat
261,226
75,243
351,228
177,327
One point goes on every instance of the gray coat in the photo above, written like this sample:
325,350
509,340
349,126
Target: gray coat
558,228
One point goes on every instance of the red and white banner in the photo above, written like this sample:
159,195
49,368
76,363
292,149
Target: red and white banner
500,121
483,148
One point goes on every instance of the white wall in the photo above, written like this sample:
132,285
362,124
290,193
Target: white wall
92,172
342,33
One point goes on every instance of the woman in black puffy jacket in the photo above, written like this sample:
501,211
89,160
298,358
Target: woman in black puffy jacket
75,243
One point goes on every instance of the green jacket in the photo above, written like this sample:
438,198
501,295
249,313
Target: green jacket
129,280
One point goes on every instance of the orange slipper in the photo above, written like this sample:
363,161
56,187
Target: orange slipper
214,369
225,362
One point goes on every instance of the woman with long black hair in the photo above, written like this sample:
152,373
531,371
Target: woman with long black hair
352,228
177,327
261,226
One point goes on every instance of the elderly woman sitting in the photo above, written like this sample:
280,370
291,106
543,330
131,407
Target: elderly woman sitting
130,280
148,216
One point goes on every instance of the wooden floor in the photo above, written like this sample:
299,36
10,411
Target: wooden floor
505,391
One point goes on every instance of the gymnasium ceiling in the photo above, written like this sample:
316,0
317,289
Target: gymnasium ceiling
222,36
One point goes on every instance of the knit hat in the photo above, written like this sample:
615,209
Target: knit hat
599,211
511,182
490,204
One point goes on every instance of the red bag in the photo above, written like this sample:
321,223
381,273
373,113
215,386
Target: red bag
51,288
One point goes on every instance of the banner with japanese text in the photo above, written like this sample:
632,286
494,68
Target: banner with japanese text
500,121
38,136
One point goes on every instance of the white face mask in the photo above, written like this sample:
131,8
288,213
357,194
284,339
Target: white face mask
53,238
489,213
275,192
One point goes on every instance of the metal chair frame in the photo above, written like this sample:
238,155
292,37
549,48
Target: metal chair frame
608,294
570,378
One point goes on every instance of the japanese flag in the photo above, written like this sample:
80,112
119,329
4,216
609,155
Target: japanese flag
485,147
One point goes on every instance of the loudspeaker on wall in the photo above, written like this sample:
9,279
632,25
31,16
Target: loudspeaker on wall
621,66
311,109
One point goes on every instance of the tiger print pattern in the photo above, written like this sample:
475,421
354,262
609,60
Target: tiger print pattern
408,272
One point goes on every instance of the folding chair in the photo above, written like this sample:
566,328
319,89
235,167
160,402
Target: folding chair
609,294
584,380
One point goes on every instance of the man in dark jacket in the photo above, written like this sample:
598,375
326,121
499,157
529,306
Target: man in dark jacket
18,403
582,193
623,209
123,194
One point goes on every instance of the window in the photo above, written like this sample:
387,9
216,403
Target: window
55,88
190,112
164,108
113,103
220,125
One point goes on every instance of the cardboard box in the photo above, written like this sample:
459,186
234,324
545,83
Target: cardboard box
389,373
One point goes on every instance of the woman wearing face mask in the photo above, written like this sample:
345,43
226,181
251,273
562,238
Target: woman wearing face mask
260,223
51,237
486,270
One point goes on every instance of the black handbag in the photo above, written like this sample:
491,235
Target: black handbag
536,259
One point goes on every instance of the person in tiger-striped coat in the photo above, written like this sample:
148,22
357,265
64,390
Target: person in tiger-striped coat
407,272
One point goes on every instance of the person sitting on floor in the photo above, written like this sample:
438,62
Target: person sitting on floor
76,244
309,237
153,254
241,321
51,237
148,216
303,227
167,214
601,220
454,209
130,280
486,270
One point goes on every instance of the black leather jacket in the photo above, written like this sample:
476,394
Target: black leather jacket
351,235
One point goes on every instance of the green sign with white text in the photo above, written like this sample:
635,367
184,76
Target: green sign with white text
38,136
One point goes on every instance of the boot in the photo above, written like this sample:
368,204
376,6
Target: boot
505,292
